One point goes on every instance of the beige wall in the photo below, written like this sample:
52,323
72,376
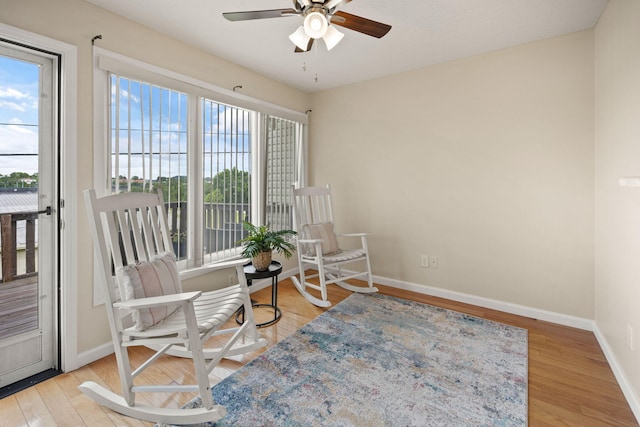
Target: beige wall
617,210
486,163
76,22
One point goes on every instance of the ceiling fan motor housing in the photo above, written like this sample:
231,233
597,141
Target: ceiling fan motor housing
315,22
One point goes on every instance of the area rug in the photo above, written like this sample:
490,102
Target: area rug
374,360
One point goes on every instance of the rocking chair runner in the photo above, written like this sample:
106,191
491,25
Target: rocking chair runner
146,307
318,249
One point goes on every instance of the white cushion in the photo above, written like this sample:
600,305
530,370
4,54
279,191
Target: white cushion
150,279
324,232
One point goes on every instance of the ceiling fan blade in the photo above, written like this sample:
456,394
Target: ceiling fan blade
360,24
298,50
259,14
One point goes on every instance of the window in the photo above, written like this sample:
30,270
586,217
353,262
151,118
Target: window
148,136
282,137
227,143
216,162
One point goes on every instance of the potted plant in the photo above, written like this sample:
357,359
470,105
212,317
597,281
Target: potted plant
261,242
179,241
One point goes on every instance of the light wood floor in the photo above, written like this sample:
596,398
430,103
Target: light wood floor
570,381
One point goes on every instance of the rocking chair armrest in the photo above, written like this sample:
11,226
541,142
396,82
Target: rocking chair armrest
181,298
352,235
310,240
216,266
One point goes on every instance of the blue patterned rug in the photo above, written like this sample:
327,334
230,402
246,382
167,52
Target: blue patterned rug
374,360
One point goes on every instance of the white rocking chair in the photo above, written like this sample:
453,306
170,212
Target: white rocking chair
146,307
317,247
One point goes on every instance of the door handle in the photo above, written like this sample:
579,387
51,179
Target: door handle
46,210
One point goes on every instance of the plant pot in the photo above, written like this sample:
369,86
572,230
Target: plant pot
262,261
180,249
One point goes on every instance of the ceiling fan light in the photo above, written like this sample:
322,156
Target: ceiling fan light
315,25
300,38
332,37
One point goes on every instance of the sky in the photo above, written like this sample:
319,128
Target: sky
18,115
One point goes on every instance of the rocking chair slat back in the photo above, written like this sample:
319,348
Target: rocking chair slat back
313,205
134,230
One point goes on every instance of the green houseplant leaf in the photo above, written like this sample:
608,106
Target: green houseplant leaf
262,239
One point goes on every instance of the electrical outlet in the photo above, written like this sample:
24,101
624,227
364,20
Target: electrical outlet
630,337
433,262
424,261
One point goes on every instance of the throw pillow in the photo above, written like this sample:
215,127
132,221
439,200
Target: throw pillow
325,232
150,279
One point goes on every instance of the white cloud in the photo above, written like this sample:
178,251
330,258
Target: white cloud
13,99
8,105
18,164
125,95
18,140
9,92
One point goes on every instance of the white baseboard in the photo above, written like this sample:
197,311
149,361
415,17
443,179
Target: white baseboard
96,353
520,310
618,372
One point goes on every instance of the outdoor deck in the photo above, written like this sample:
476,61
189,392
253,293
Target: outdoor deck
18,306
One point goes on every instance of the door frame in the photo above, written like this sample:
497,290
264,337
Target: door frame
67,303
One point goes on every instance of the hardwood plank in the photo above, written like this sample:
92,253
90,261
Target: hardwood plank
90,412
86,373
12,415
34,409
60,407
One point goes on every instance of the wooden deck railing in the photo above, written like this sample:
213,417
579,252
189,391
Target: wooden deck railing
9,245
19,281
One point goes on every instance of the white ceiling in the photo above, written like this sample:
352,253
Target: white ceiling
424,32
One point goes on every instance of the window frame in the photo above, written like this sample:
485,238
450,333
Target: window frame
107,62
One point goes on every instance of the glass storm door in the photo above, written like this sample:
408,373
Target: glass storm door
28,237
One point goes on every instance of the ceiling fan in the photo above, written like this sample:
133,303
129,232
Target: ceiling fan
320,18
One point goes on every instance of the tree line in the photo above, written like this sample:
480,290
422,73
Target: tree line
19,180
228,186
